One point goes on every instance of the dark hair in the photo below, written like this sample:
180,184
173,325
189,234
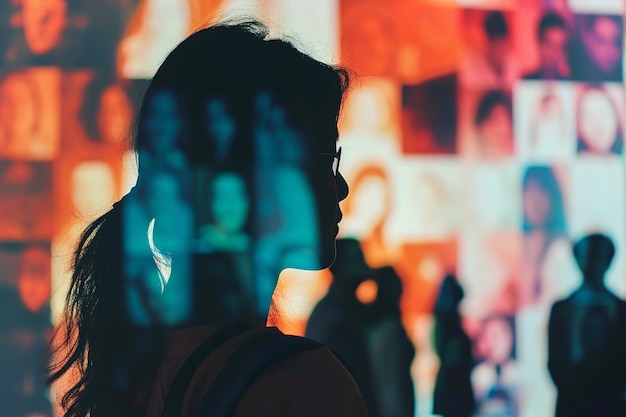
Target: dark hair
488,102
495,25
550,20
618,142
543,176
450,295
236,60
594,252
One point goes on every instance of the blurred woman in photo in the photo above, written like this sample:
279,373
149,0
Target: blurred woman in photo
544,223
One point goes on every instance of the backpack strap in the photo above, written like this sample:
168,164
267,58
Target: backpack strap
245,365
180,383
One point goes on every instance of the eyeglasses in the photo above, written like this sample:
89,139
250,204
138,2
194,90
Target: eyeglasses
336,159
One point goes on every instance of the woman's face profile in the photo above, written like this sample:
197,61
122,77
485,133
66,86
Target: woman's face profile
162,123
537,204
598,123
229,203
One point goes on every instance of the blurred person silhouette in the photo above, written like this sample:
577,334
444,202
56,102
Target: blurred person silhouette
494,377
599,123
493,122
453,395
493,67
597,54
552,40
24,331
339,319
544,223
146,333
390,349
586,341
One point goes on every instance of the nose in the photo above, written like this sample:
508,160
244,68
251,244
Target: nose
342,187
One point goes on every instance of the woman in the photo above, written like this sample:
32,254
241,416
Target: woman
544,223
128,357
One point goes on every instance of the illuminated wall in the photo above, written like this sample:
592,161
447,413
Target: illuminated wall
474,144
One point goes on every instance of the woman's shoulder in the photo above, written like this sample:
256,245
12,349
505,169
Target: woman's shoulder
311,383
303,382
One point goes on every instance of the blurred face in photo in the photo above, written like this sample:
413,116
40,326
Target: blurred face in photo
33,281
496,132
537,204
552,51
603,41
17,108
598,122
162,122
229,203
496,340
115,112
44,22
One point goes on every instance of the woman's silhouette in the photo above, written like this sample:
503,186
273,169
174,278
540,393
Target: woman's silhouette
147,292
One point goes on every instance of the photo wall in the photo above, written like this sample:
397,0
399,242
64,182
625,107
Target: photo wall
479,138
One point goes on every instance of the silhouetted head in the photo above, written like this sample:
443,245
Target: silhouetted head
349,268
594,254
450,295
229,99
389,290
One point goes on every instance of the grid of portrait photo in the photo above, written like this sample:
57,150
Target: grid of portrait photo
479,139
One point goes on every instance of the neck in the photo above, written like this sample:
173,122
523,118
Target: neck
593,284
